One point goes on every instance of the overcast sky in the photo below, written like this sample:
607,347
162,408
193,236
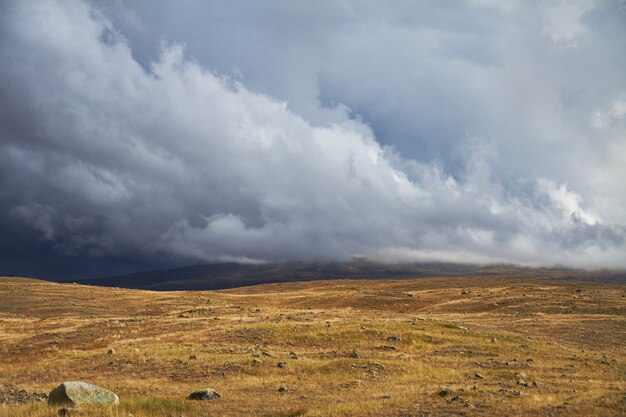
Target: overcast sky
149,134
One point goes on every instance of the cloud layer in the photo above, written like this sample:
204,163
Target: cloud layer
397,136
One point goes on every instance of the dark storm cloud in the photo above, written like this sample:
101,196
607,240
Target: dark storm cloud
478,133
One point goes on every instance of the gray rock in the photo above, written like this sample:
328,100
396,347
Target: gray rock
81,393
204,394
444,391
394,339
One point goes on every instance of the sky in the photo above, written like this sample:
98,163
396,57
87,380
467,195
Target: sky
149,134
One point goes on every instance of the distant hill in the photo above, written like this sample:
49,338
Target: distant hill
217,276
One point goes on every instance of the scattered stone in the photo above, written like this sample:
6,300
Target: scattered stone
444,391
522,375
354,354
111,351
81,393
522,382
394,339
10,394
256,362
292,355
494,340
389,347
358,382
204,394
193,357
536,384
373,368
281,365
478,375
283,390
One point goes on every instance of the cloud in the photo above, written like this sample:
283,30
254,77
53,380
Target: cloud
105,157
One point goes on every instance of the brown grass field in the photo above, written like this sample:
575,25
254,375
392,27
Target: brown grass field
564,339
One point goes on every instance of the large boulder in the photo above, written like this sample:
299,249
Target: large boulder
204,394
81,393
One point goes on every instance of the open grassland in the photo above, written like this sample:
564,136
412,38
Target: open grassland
347,348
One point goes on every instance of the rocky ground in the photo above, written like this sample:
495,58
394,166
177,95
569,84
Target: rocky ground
12,395
428,347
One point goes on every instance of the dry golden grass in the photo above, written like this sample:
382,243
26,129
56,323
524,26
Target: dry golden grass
567,336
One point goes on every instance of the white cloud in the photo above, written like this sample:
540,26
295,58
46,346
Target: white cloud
562,19
105,157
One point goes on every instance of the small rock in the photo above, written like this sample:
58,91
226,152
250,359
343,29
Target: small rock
494,340
283,389
292,355
522,382
389,347
111,351
193,357
394,339
479,375
204,394
354,354
256,362
281,365
443,391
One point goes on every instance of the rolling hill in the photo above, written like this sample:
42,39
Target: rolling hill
217,276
